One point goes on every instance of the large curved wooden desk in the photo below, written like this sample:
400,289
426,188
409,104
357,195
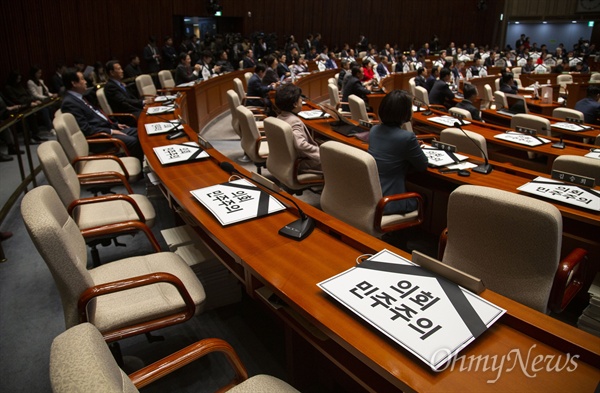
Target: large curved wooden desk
259,257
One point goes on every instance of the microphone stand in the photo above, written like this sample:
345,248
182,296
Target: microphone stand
485,168
297,230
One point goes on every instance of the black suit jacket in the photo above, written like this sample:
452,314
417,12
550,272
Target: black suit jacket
257,89
440,93
184,74
89,122
121,100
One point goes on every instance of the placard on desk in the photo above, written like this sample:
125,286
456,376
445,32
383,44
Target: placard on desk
162,127
164,98
429,316
438,157
522,139
571,126
447,120
179,152
157,110
237,201
313,114
563,192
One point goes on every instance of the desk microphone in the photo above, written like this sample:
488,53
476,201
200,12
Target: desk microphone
560,144
485,168
296,230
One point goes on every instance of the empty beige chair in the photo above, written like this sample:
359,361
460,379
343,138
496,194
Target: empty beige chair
283,160
422,95
487,97
334,99
358,109
578,165
460,113
332,81
500,100
254,145
352,192
123,298
234,101
241,65
165,77
540,124
76,147
595,78
455,137
563,113
80,362
145,85
513,243
411,86
497,84
563,80
516,71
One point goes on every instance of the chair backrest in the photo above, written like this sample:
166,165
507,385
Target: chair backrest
166,79
564,79
455,137
500,99
103,101
362,54
250,135
80,362
145,85
61,245
358,109
540,124
497,83
578,165
488,97
563,113
460,112
282,153
595,77
516,71
238,87
511,241
234,101
334,95
352,189
331,81
412,85
70,136
59,172
57,113
247,76
241,65
422,95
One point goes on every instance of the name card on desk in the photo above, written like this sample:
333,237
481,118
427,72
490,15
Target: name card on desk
447,120
562,192
594,153
568,126
313,114
431,317
236,201
440,157
162,127
165,98
157,110
522,139
180,152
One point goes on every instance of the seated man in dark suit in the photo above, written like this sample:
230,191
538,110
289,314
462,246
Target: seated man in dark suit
355,86
440,93
507,84
470,94
248,59
91,120
420,78
117,95
435,72
257,89
589,106
132,69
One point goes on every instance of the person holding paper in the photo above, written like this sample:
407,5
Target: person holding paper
396,150
184,72
288,99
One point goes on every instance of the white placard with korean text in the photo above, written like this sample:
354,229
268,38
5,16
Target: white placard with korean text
522,139
571,126
563,192
429,316
162,127
179,152
157,110
595,153
447,120
236,201
438,157
164,98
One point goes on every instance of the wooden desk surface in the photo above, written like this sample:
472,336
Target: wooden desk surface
292,269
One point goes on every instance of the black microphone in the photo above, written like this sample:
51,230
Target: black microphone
296,230
485,168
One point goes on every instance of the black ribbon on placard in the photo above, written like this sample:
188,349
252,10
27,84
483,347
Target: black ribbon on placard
456,296
263,199
593,192
195,154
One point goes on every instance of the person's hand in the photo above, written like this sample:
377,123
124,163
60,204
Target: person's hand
35,103
149,100
197,67
117,132
122,126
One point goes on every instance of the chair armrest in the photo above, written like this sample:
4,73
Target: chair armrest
136,282
568,280
106,138
103,178
128,115
107,198
424,137
438,107
259,140
122,228
103,157
185,356
397,197
442,244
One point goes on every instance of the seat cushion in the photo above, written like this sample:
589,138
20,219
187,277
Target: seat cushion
263,384
141,304
393,219
104,213
132,164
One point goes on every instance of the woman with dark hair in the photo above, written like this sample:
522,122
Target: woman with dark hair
16,94
185,72
36,85
271,73
288,99
99,75
395,149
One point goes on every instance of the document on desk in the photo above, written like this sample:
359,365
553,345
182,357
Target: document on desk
429,316
571,194
157,110
447,120
595,153
522,139
571,126
314,114
179,152
237,201
439,157
162,127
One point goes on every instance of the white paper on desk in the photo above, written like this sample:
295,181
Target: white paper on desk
594,154
447,120
179,152
237,201
162,127
438,157
379,288
156,110
563,192
462,165
522,139
313,114
186,84
164,98
570,126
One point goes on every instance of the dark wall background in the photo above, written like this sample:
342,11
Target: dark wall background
45,32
